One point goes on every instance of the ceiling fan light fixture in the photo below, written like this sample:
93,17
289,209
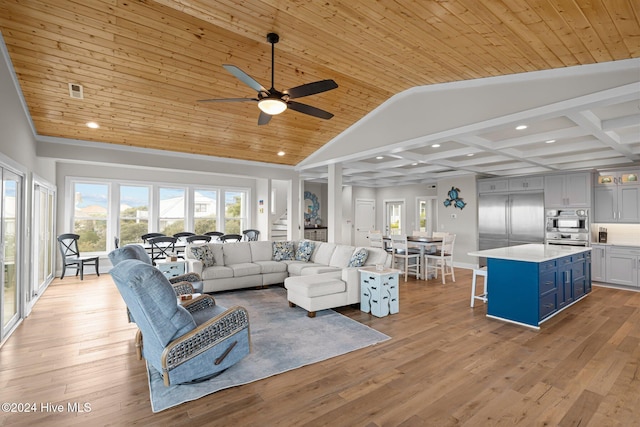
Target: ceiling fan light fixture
272,106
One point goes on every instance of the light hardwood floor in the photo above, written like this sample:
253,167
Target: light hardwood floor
446,364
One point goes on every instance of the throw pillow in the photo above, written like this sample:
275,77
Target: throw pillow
282,251
358,258
204,254
305,249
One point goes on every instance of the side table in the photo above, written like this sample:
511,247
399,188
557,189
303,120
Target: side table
379,291
171,268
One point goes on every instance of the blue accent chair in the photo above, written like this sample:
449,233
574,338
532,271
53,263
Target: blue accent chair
185,343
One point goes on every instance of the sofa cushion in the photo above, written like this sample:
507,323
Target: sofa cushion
341,256
318,269
295,268
376,256
203,254
322,255
236,253
267,267
304,250
261,250
244,269
282,251
358,258
315,286
216,272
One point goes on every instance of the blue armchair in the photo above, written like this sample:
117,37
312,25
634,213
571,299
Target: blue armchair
184,343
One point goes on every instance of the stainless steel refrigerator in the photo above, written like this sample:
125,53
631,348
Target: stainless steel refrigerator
509,220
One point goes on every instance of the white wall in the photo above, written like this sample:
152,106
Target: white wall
465,223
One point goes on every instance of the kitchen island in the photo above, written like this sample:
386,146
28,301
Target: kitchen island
529,284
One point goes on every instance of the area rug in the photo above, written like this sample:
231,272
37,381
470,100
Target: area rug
282,339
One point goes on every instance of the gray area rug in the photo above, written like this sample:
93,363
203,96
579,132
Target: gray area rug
282,339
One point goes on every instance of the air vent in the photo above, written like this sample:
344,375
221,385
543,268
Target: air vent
75,91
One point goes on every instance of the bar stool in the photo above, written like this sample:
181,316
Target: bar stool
483,297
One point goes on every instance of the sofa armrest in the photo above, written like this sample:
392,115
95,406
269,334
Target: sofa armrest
188,277
183,288
199,303
351,277
195,266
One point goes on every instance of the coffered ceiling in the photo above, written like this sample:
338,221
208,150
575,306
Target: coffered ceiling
143,65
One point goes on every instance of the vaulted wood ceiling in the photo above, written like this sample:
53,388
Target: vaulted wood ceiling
143,64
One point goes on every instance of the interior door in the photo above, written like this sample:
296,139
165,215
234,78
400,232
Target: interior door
394,218
365,220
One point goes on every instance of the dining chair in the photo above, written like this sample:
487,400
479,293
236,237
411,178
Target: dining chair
402,253
251,235
376,240
215,235
182,236
145,237
162,247
230,238
68,245
198,238
442,259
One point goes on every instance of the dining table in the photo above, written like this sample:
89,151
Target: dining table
424,243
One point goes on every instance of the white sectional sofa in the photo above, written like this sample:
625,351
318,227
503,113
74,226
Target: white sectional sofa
323,281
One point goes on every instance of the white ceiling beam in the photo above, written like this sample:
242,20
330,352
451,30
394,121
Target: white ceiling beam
621,122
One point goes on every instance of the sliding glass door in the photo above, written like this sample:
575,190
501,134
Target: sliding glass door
10,234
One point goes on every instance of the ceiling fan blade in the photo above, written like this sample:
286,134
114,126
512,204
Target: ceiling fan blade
244,78
228,100
264,118
308,109
311,88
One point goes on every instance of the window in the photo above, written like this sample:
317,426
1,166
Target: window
134,213
171,213
235,208
90,215
205,208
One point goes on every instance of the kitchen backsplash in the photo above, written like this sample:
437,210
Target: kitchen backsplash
618,234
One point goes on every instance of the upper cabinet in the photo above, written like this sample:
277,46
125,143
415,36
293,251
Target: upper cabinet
527,183
493,185
568,190
617,197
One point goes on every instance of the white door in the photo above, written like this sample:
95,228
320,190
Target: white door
427,214
365,220
394,217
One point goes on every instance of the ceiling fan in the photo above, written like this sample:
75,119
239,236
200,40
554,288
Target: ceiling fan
272,102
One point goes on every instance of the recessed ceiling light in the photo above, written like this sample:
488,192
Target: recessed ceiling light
414,164
470,154
436,145
379,158
93,125
521,127
281,153
551,141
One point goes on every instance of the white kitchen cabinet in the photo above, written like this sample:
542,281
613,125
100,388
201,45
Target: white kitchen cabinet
568,190
617,197
622,265
598,262
493,185
526,183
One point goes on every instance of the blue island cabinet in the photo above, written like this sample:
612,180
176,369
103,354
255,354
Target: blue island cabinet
528,292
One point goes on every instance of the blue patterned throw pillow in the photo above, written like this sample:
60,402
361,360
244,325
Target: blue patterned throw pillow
204,254
282,251
305,249
358,258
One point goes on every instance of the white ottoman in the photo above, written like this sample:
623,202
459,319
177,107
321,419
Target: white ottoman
316,292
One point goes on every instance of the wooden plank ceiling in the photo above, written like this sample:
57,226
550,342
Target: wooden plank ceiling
143,64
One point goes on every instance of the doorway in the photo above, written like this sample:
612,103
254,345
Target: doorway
10,239
394,218
427,214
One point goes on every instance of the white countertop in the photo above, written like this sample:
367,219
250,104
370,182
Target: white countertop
531,252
